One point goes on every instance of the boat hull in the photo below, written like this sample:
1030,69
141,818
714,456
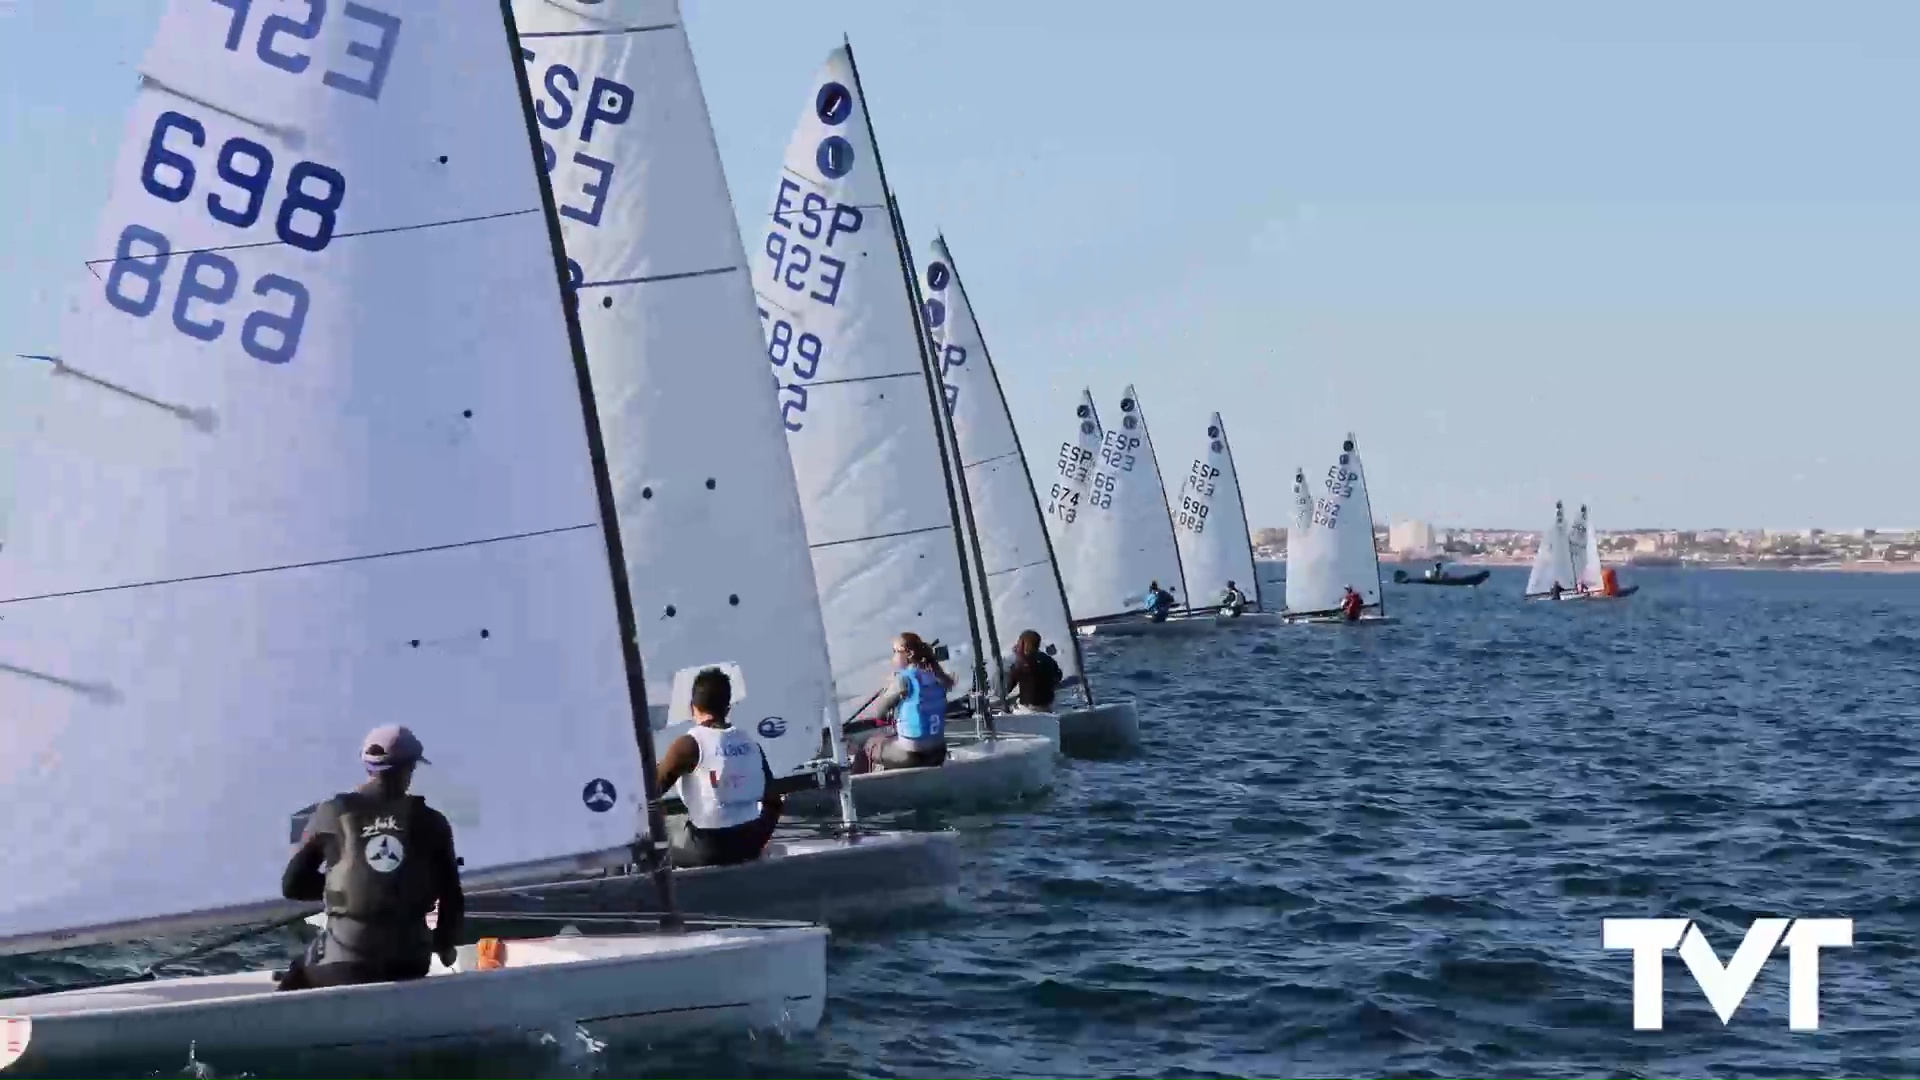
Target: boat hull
1340,620
835,880
1043,725
1401,577
1104,731
1175,626
615,987
1000,770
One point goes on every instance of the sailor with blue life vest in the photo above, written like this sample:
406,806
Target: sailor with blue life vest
917,699
722,776
1159,602
389,862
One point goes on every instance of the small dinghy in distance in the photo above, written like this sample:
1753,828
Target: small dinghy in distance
1401,577
1023,588
1123,538
1216,545
865,426
715,543
368,482
1330,545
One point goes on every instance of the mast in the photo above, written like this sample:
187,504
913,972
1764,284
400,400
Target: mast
1246,528
956,468
936,399
651,851
1046,534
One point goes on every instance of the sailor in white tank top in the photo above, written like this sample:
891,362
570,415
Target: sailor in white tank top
725,788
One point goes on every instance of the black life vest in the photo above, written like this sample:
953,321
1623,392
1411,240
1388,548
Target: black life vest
383,873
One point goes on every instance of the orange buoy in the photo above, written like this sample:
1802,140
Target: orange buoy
493,954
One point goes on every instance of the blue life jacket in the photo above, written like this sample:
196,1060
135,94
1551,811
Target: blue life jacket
923,713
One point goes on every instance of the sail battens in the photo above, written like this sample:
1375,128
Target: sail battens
916,374
612,32
309,565
991,460
649,279
881,536
344,235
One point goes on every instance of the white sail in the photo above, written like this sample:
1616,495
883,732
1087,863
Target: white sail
1210,521
709,513
315,459
1339,553
1553,562
1023,586
1067,526
857,401
1124,538
1587,576
1298,530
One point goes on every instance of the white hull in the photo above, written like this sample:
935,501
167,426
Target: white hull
1000,770
616,987
831,879
1569,597
1339,620
1039,724
1110,730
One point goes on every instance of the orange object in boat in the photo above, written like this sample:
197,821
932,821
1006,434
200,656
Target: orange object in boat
1609,582
493,954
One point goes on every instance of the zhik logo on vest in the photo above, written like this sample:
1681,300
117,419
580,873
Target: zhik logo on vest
1726,986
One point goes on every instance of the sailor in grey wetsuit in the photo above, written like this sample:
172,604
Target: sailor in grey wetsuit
389,860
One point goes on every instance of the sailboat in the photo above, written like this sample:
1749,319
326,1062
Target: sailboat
1595,581
1552,576
1019,585
1216,544
1334,551
323,451
864,425
1125,539
715,543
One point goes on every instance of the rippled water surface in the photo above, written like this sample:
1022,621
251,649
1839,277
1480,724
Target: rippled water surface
1388,850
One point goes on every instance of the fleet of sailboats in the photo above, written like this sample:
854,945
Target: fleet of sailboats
486,260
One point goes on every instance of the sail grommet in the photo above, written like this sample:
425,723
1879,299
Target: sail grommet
443,159
671,611
934,312
1080,411
1126,404
485,633
938,275
467,413
646,493
733,599
606,301
712,483
415,643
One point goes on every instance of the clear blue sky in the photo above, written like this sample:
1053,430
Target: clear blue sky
1659,257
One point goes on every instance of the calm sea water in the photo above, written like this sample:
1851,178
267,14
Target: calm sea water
1388,851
